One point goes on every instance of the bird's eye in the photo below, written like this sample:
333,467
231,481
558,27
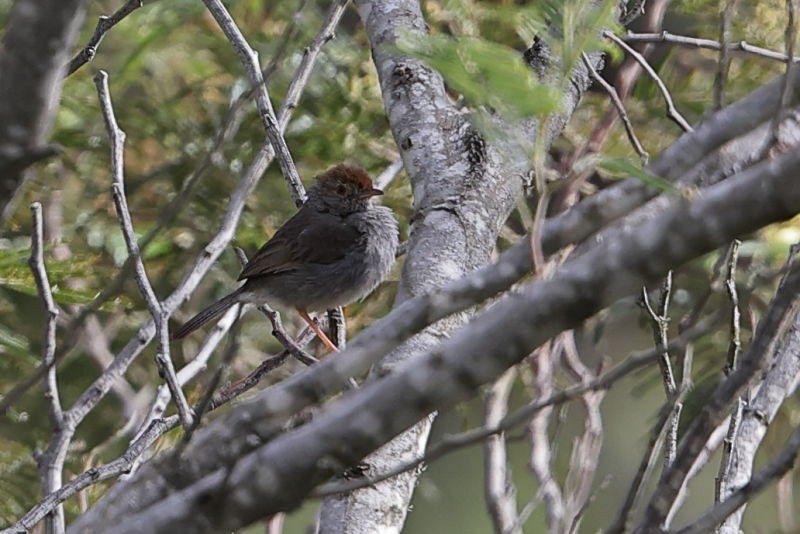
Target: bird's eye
341,190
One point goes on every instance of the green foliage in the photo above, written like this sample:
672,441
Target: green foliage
486,74
18,480
622,168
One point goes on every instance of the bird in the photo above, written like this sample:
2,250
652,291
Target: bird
335,250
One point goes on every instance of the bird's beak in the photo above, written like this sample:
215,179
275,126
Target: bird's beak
371,193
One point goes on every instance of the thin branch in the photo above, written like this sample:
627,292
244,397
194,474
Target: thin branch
188,372
775,468
660,321
708,44
586,449
672,111
719,402
249,59
724,63
50,465
623,115
93,476
585,453
700,462
542,455
36,263
657,434
521,416
159,314
104,24
142,443
780,382
388,175
734,350
735,345
498,485
216,379
310,53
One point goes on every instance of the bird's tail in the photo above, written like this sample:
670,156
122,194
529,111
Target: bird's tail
212,312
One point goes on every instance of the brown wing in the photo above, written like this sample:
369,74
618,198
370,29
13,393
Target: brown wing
308,237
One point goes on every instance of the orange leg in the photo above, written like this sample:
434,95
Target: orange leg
317,330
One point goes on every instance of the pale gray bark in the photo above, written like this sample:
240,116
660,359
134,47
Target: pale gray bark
464,189
780,382
279,473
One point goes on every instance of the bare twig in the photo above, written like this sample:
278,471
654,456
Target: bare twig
709,44
775,468
660,322
188,372
36,263
389,174
672,111
50,465
541,456
498,485
659,431
734,349
586,449
142,443
724,63
216,379
779,383
338,327
521,416
157,311
249,59
623,115
93,476
702,459
310,54
769,330
104,24
624,81
735,345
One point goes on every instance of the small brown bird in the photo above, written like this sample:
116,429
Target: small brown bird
335,250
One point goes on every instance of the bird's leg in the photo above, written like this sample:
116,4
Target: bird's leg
317,330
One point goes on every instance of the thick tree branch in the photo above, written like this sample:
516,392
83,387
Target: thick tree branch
278,474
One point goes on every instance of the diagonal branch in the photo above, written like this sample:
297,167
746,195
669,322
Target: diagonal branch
249,59
104,23
159,315
50,465
279,473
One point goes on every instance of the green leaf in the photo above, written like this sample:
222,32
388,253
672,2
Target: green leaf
485,73
16,345
622,168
